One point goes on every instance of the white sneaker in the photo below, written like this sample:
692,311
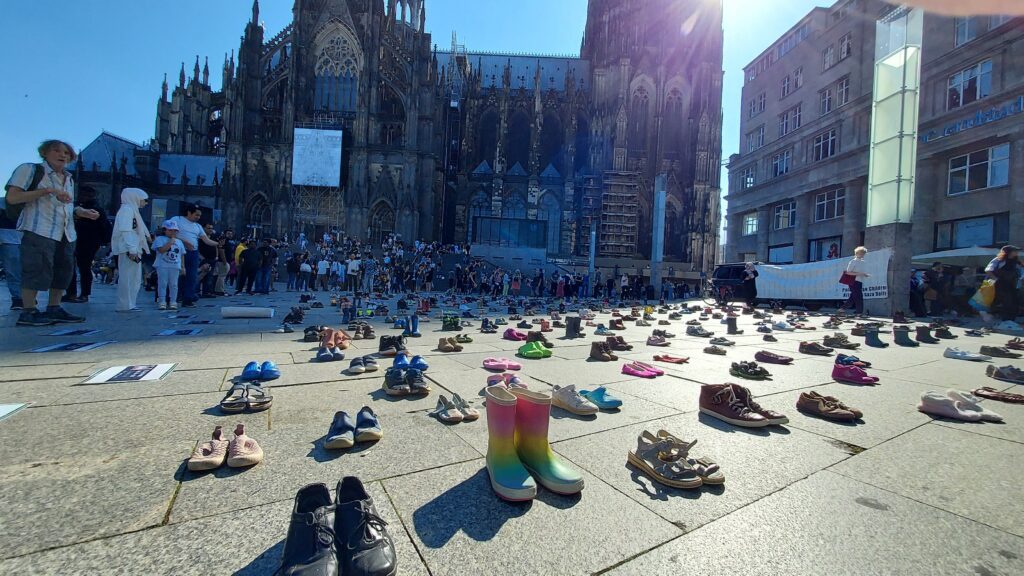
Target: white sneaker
162,306
174,305
1009,326
969,401
567,398
783,326
958,354
938,405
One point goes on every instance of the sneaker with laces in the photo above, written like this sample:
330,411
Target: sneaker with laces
34,318
773,417
417,384
720,401
243,451
817,405
567,398
394,382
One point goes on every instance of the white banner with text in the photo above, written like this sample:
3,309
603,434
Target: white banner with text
820,280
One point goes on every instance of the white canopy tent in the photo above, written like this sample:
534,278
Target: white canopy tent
972,256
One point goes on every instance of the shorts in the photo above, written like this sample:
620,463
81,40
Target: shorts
46,264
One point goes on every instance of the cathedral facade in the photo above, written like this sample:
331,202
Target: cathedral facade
503,149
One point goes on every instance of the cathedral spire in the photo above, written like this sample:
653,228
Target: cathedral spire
181,76
206,71
255,11
163,89
195,70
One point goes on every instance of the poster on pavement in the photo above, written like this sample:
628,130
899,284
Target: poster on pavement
137,373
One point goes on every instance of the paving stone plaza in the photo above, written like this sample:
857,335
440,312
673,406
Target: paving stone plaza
93,477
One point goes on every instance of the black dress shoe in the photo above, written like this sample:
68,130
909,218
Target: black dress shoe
364,546
310,548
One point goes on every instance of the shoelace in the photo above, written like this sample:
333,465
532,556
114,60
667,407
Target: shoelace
369,520
324,533
733,402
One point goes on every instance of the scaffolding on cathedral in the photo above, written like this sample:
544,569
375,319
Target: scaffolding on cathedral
316,208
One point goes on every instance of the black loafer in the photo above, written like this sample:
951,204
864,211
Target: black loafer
364,546
310,548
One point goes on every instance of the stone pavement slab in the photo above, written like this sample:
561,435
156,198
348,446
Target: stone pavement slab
460,526
830,524
66,391
914,464
755,463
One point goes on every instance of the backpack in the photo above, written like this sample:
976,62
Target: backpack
11,212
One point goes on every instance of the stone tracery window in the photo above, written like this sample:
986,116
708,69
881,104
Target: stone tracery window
337,76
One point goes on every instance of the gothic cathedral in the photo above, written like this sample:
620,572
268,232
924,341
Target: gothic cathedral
503,149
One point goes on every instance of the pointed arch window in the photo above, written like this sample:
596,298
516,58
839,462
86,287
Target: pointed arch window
639,112
479,206
673,142
550,210
336,88
514,207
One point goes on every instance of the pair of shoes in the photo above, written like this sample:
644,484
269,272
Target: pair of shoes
699,332
827,407
487,327
666,459
34,317
840,340
958,354
601,330
568,399
506,380
772,358
333,354
735,405
401,381
246,396
657,341
391,345
344,433
616,324
448,345
501,364
518,453
265,371
957,405
362,365
852,374
663,333
242,451
461,338
670,359
415,362
455,410
343,536
641,369
618,343
999,352
534,350
535,336
749,370
602,351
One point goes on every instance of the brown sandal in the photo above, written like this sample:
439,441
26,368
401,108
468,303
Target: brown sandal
993,394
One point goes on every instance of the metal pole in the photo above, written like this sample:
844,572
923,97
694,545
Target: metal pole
593,251
658,241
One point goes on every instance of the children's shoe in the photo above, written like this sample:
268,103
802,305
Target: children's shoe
633,369
567,398
341,434
367,426
324,355
337,354
601,398
394,382
356,366
416,382
447,411
418,363
243,451
469,413
209,455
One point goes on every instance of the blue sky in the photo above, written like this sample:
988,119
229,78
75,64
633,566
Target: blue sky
99,65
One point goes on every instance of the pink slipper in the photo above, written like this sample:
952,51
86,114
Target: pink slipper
511,364
649,368
495,364
632,369
852,374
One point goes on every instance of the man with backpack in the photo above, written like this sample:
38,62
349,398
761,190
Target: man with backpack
42,196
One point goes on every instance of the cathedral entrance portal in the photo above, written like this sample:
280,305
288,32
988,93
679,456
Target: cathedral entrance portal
382,223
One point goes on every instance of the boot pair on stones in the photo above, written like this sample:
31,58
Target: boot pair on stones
518,454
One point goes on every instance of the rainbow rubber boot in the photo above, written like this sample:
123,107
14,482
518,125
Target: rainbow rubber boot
509,478
533,414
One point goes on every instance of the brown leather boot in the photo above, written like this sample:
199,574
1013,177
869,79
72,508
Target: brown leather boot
597,352
608,350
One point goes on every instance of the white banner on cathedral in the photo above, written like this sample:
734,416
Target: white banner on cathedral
820,280
316,158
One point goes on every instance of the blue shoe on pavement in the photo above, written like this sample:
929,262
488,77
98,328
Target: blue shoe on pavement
337,355
324,355
601,398
251,371
269,371
418,363
342,432
401,361
367,426
602,331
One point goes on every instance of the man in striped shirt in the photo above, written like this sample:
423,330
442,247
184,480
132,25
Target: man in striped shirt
48,231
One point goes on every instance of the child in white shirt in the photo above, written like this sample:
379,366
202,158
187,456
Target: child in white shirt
169,264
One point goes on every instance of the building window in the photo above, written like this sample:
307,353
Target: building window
845,46
825,101
829,205
755,139
751,74
979,170
993,230
997,21
798,78
781,162
789,120
748,177
780,254
785,86
828,57
965,30
792,39
757,105
750,224
969,85
785,215
843,91
824,145
824,249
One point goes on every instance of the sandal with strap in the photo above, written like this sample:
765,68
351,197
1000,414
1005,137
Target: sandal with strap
257,397
236,400
708,470
653,456
993,394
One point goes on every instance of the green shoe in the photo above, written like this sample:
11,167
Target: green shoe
532,350
463,338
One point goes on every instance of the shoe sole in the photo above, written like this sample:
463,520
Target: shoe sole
394,392
339,444
636,462
204,466
824,416
740,423
369,436
557,488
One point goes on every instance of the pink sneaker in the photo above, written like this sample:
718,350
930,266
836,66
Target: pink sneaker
852,374
632,369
